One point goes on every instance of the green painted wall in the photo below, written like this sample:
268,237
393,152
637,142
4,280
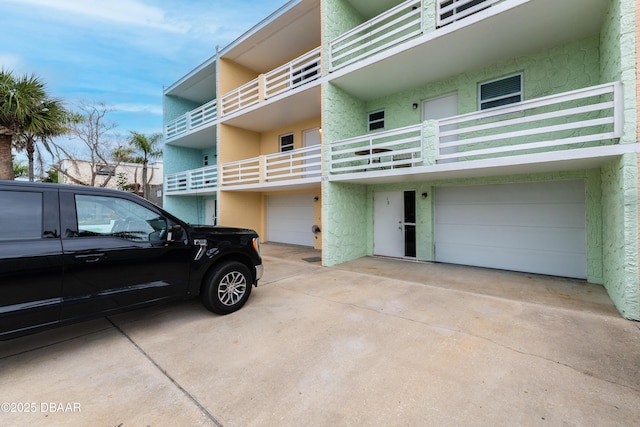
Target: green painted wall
560,69
611,192
620,176
173,107
344,205
620,237
179,159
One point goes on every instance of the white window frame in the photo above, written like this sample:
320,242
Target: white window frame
520,93
285,146
371,121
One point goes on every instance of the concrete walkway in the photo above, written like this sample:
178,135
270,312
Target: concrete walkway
372,342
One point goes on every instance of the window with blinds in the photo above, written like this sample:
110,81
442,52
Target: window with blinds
503,91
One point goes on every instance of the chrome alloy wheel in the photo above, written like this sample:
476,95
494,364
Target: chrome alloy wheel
232,288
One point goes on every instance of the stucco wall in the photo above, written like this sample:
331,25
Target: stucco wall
239,144
173,107
189,209
241,209
344,206
560,69
620,176
232,76
345,217
270,141
620,221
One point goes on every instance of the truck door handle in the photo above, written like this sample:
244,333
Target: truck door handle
89,257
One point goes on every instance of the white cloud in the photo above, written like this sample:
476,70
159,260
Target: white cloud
136,108
125,12
10,62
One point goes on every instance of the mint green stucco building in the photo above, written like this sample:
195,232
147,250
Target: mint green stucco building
492,133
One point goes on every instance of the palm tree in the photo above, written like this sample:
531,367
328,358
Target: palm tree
147,149
20,98
45,123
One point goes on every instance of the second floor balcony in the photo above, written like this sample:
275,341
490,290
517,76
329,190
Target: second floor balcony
289,168
194,181
572,125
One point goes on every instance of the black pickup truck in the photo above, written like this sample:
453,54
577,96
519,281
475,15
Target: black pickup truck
70,252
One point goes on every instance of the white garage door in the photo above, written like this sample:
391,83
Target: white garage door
532,227
290,218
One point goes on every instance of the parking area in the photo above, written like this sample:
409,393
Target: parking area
370,342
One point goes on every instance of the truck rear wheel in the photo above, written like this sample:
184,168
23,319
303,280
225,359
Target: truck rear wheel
226,288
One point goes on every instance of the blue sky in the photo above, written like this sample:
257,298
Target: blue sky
120,52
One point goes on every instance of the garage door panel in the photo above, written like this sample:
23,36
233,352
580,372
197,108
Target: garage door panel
525,260
537,192
514,215
532,227
556,239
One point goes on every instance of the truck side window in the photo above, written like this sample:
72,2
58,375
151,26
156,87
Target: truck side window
115,217
21,215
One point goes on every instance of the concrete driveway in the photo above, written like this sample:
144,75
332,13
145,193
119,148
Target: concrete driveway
371,342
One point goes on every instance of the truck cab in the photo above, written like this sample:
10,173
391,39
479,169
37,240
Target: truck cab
69,252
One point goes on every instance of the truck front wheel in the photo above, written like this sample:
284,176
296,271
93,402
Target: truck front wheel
226,288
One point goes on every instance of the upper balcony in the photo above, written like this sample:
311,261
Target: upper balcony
261,86
291,80
577,129
442,38
191,109
293,169
194,121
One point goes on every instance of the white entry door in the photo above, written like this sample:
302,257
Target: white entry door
210,211
310,138
394,224
440,108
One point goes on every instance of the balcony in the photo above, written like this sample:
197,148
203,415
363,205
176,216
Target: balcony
290,76
451,38
191,121
286,169
192,181
571,125
395,26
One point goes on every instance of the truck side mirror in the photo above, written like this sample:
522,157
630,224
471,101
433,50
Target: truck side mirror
175,233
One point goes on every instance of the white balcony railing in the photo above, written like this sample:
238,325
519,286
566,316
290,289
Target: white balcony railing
577,119
240,172
449,11
300,71
580,118
294,164
289,165
195,179
245,96
192,120
390,149
388,29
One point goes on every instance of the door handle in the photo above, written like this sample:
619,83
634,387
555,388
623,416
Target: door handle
89,257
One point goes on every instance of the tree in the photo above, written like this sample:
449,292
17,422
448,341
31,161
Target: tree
20,99
146,148
19,169
46,122
91,128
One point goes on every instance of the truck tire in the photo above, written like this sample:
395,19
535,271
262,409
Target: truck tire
226,288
